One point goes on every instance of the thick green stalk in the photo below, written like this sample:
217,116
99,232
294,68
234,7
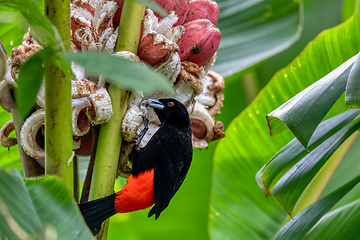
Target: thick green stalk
130,26
108,151
109,143
108,148
58,129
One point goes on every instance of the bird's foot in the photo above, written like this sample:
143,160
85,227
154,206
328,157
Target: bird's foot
143,132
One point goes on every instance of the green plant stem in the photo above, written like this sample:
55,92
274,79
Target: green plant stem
58,129
108,151
316,187
130,26
108,148
109,143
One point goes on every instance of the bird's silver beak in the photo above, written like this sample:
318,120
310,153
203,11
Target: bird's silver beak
153,103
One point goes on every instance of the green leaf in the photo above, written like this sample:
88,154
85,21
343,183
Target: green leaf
6,231
56,208
290,187
261,182
22,210
238,210
348,7
297,227
41,28
316,99
42,208
293,152
253,31
347,170
343,222
31,75
119,71
352,98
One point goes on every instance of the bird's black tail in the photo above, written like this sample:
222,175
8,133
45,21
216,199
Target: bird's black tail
97,211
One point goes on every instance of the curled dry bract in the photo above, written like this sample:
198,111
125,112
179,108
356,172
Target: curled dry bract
202,124
29,134
169,66
5,130
6,100
80,123
207,106
101,109
82,88
132,119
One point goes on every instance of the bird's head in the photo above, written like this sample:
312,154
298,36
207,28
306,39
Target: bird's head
169,109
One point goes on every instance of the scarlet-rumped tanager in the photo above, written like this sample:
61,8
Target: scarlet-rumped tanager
158,169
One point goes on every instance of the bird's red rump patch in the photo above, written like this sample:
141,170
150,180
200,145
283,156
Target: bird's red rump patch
137,194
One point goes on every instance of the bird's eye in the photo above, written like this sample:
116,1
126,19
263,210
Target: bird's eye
170,104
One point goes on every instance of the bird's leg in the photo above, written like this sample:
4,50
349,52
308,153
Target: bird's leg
143,132
136,156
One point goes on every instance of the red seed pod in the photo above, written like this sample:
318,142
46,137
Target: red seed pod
203,9
151,50
180,7
200,41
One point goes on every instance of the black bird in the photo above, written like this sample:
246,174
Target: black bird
158,169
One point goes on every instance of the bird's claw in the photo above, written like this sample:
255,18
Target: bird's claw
145,121
143,132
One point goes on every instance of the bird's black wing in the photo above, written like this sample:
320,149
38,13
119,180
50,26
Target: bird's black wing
171,167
